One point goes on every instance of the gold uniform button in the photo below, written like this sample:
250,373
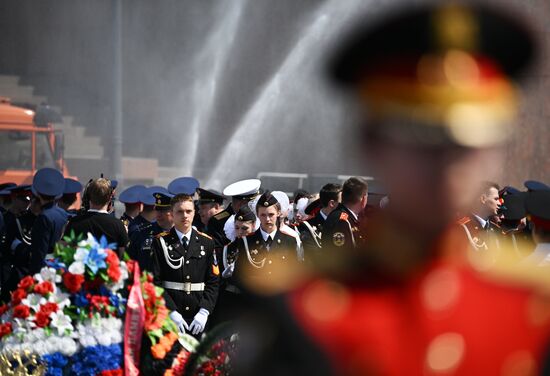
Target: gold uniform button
270,262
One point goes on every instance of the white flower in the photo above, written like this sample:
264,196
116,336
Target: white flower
48,274
68,346
104,339
77,267
40,347
81,254
87,340
116,337
33,301
52,344
60,298
61,322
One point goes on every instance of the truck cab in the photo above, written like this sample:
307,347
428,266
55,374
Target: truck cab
28,142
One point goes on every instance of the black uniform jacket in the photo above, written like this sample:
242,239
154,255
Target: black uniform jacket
198,265
259,260
341,229
216,224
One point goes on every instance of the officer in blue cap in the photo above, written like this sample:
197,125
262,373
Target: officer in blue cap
534,186
48,186
72,188
148,215
19,220
132,206
184,185
5,196
141,241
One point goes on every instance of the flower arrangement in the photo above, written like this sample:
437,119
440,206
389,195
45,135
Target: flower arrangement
167,351
216,353
70,314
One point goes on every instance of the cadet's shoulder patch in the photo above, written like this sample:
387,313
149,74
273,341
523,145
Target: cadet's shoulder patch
338,239
344,216
221,215
160,235
463,220
205,235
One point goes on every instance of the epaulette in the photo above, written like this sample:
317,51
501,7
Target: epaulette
344,216
463,220
221,215
164,233
205,235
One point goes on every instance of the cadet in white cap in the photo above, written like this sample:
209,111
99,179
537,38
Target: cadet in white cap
241,192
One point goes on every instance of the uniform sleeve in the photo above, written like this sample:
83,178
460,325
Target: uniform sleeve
339,235
122,241
42,232
157,253
211,281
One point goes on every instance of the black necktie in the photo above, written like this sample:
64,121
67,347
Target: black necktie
184,242
268,242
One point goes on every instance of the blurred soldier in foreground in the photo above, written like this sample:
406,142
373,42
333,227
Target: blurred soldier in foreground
437,84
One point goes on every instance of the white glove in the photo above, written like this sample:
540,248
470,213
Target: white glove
228,272
199,321
180,322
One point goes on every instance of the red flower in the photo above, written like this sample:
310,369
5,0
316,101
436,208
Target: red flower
42,319
114,272
112,258
3,309
43,288
26,283
73,282
21,311
5,329
18,295
49,308
115,372
130,264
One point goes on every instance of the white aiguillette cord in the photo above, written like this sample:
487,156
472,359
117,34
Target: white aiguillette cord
257,265
169,260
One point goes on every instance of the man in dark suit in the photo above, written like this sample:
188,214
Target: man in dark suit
185,265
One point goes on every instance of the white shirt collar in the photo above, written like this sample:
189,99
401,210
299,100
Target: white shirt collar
265,234
352,213
481,221
323,215
181,234
98,211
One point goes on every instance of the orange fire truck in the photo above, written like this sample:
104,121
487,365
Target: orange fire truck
28,142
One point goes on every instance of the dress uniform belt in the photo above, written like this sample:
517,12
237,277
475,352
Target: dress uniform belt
183,286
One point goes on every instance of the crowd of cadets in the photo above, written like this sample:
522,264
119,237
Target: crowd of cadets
200,250
341,283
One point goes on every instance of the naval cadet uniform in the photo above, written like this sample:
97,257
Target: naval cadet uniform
188,273
341,228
